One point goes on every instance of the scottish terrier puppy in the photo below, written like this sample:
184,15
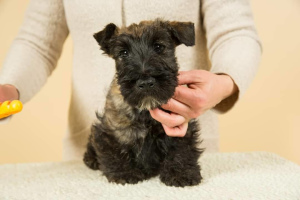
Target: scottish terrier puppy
127,144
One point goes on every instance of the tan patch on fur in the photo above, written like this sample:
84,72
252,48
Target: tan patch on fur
115,108
118,116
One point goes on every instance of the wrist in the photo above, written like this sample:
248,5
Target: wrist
227,84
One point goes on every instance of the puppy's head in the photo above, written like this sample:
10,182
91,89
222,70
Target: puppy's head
145,59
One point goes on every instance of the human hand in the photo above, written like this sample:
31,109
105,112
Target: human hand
204,91
8,92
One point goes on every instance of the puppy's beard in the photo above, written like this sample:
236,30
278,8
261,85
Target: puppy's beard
148,103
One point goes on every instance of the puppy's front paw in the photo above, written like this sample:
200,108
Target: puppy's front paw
91,161
130,178
188,177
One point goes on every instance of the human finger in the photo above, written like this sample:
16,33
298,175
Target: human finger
178,131
177,107
169,119
185,95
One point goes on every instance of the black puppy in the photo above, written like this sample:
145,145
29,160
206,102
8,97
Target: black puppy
127,144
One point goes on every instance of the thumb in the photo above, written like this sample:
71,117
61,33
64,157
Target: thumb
188,77
8,92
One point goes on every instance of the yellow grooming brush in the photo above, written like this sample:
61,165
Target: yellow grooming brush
8,108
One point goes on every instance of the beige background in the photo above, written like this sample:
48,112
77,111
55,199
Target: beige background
266,119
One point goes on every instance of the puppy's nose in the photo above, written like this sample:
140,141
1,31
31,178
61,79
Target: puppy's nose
145,84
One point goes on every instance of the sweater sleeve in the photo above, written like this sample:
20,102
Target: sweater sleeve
233,44
34,52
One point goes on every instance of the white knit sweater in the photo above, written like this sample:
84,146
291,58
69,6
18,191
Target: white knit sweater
226,42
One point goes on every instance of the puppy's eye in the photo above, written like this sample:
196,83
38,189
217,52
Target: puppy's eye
123,53
158,48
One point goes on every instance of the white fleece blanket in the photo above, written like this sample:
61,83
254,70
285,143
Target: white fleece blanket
256,175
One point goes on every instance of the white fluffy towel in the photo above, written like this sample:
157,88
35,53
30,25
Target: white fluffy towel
230,176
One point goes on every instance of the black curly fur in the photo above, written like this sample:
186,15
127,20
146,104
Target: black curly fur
127,144
173,158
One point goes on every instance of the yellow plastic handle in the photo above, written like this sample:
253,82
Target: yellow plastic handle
8,108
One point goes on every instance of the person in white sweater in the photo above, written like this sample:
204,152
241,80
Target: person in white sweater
217,70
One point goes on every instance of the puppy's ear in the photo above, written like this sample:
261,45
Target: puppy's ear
183,33
103,37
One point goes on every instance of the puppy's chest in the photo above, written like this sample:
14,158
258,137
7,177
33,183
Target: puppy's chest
148,126
141,127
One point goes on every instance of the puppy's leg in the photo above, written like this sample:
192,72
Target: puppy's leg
180,167
117,162
90,157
